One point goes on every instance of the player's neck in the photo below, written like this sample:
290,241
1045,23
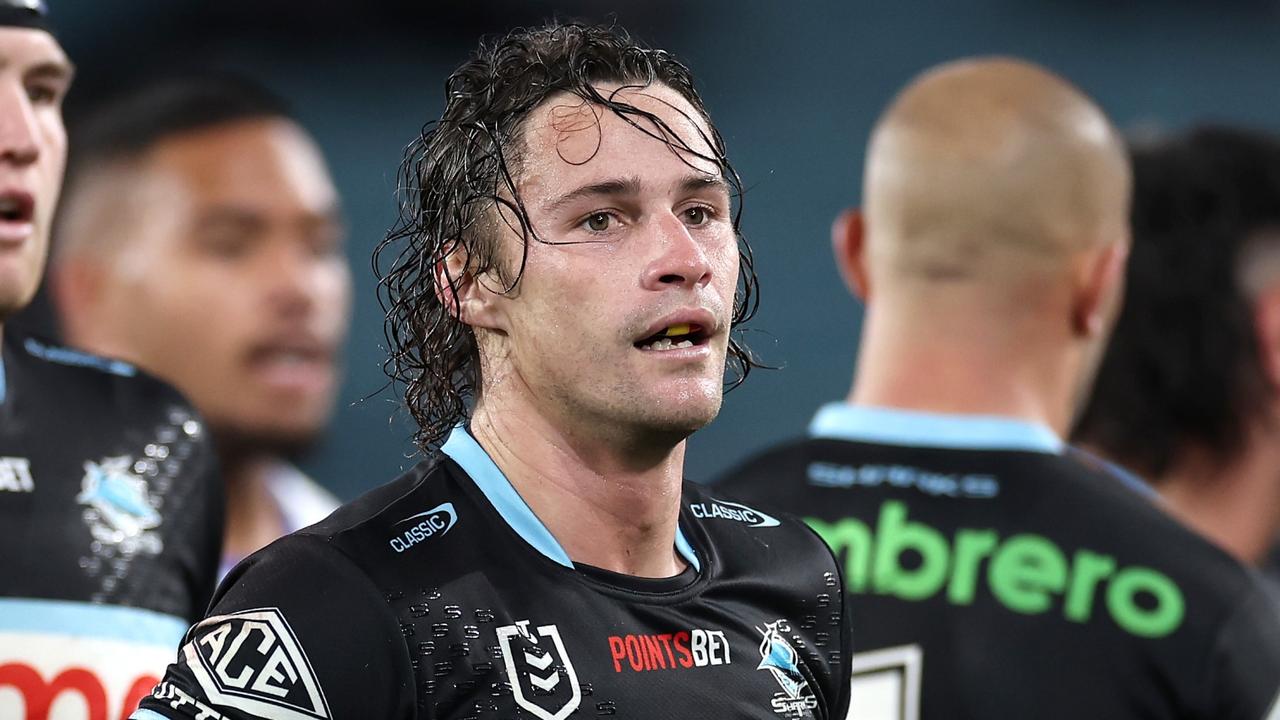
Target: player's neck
962,366
1235,506
253,517
608,507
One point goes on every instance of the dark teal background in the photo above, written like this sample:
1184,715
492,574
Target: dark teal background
793,86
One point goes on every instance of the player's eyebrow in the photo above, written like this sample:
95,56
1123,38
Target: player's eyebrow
704,182
60,69
611,187
53,70
700,182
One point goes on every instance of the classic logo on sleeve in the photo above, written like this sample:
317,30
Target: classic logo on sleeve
538,668
414,529
733,511
252,661
780,659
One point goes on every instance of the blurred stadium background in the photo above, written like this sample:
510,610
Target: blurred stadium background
793,86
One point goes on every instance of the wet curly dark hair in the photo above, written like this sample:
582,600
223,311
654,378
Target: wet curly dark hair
459,176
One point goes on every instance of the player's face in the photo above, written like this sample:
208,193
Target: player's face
34,77
638,242
235,286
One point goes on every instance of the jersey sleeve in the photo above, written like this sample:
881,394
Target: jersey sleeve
1246,662
297,631
840,664
205,525
194,506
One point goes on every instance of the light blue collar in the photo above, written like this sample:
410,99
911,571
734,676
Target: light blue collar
503,496
890,426
3,387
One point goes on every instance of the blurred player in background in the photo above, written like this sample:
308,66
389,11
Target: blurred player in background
200,238
561,295
992,572
110,506
1189,391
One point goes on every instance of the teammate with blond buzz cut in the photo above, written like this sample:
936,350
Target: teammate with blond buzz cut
561,299
992,571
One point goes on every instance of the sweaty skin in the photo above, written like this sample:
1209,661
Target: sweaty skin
992,250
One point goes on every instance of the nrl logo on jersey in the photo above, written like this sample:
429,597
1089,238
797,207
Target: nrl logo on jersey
539,670
778,657
120,508
733,511
252,661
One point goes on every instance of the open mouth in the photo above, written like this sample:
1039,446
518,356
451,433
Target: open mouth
674,337
16,207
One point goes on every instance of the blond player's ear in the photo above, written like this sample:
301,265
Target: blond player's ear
848,241
1102,290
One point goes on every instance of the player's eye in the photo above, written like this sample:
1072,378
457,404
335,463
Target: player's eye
41,94
598,222
697,215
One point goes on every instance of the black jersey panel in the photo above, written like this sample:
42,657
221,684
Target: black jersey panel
111,519
988,583
325,646
460,616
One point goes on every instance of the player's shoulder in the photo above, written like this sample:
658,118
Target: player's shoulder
369,513
93,378
370,534
783,456
770,475
301,621
737,526
1108,503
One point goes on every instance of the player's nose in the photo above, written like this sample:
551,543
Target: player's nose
679,259
18,132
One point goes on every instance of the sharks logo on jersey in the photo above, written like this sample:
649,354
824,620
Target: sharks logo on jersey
120,510
780,660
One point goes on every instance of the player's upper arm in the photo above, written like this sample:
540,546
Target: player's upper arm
206,527
1246,662
296,631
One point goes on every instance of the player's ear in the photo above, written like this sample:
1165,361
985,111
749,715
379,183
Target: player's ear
1101,289
462,292
1266,323
848,244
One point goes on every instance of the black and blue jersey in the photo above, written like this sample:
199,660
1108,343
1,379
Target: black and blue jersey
994,573
111,525
441,595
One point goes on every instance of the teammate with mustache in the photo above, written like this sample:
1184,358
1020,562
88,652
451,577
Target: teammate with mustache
200,237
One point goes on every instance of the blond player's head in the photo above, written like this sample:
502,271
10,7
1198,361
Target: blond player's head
996,197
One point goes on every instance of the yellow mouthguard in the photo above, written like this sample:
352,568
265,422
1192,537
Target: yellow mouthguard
677,330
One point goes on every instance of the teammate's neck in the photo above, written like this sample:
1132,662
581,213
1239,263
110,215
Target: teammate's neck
962,365
253,516
607,507
1236,506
